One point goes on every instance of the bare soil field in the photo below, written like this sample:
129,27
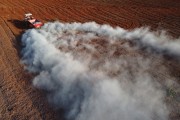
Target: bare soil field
19,100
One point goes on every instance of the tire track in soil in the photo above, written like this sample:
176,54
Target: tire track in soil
12,3
119,19
88,15
72,12
76,12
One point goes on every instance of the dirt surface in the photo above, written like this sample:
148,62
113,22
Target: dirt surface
19,100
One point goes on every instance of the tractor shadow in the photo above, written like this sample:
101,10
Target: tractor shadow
17,42
20,24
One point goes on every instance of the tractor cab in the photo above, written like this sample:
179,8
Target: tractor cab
31,21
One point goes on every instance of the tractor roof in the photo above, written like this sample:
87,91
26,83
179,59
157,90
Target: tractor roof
28,14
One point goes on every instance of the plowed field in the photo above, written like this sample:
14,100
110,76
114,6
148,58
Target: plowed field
19,100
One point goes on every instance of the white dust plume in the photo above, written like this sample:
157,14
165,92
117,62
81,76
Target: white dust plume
95,72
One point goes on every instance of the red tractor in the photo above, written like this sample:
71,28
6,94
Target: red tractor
32,22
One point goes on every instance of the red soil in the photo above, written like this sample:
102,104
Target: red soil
18,99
